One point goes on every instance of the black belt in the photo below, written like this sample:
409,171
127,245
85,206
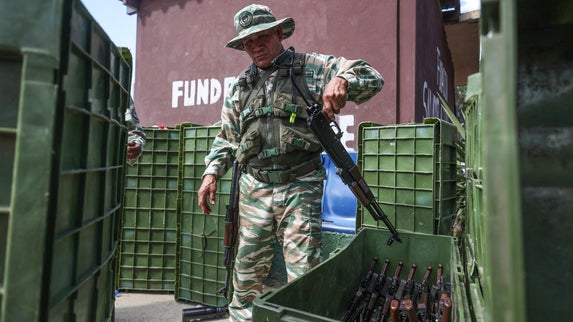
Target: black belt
284,175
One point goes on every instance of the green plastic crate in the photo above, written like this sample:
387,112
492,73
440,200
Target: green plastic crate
525,101
91,172
474,219
10,86
60,76
323,294
28,62
411,169
544,107
200,249
147,257
473,128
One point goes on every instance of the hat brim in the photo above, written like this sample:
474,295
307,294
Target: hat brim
286,23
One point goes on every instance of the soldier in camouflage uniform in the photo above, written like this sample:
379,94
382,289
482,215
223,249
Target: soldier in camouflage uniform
263,125
135,136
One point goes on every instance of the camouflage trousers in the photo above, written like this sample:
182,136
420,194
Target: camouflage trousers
292,213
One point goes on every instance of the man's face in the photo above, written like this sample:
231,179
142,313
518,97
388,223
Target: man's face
263,46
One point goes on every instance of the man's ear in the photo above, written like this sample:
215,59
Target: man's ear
279,30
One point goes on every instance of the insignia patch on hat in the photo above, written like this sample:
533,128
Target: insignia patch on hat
246,19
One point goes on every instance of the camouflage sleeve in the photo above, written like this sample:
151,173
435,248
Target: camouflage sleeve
363,80
135,131
220,158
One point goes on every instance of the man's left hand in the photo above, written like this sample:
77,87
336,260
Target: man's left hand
133,150
334,97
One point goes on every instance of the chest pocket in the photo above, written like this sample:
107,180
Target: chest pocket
277,127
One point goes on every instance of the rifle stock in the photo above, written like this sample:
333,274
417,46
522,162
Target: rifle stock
446,308
394,307
346,168
410,311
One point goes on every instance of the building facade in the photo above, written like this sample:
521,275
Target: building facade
184,70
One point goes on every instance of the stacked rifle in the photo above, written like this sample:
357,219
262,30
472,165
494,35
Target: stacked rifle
381,297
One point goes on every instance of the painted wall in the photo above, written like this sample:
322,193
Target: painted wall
184,70
434,67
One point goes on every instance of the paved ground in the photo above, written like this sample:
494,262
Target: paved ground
150,307
153,307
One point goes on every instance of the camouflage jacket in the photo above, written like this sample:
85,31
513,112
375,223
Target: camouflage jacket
135,131
363,83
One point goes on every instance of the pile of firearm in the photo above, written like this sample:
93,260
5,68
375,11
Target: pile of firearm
381,298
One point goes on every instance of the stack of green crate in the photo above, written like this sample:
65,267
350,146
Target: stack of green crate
200,248
411,169
474,219
91,171
149,221
65,88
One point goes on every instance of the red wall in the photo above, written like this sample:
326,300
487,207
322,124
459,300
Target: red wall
182,42
434,67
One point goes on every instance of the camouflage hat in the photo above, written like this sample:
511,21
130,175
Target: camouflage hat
255,18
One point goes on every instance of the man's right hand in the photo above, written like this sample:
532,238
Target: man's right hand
207,190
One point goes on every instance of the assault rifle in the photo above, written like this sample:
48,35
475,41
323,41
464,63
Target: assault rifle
442,300
401,307
231,226
345,166
350,313
376,292
230,239
204,313
422,297
392,289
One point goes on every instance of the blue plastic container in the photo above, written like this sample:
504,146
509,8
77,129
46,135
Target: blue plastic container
338,202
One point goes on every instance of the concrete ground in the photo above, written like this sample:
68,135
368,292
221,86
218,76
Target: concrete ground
153,307
150,307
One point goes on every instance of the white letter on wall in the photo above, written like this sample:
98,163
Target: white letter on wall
202,91
189,97
344,122
228,82
175,93
215,91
